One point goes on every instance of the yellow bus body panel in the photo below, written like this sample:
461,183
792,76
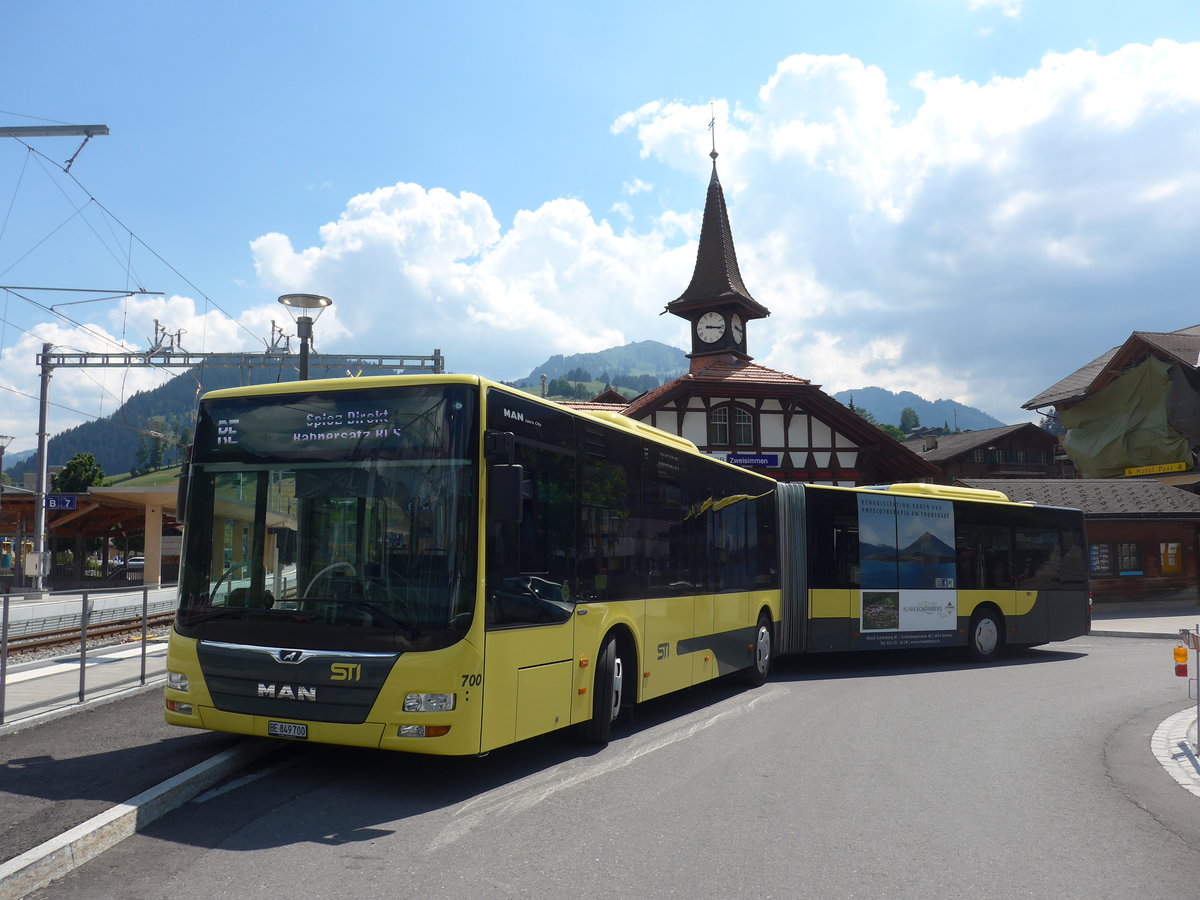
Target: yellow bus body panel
526,681
833,603
669,620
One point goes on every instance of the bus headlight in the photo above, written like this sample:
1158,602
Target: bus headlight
428,702
178,681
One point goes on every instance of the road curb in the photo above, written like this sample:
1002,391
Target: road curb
1156,635
36,868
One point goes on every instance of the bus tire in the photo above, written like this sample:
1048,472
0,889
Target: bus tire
760,654
607,691
985,636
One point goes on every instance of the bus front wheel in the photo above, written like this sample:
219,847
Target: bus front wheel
985,637
607,689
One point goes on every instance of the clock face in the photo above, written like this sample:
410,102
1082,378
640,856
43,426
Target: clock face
710,327
737,328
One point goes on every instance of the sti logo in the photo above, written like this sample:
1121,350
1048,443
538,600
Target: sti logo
227,431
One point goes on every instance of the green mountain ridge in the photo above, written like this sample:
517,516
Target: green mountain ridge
886,406
662,361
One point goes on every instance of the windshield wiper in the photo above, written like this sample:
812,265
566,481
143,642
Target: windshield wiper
236,612
374,610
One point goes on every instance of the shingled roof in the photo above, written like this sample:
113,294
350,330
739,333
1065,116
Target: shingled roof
1182,346
1100,498
952,445
716,276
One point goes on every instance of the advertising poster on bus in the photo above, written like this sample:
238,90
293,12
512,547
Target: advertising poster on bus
907,570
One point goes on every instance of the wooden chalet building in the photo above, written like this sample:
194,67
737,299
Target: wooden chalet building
1010,451
733,408
1134,410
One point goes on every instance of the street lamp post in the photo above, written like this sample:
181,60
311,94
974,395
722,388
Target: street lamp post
298,307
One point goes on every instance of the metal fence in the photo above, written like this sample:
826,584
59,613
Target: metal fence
87,616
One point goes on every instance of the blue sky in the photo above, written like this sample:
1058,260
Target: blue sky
964,199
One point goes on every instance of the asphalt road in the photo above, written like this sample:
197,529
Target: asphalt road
870,776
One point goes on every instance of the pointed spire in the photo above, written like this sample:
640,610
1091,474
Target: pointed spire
716,278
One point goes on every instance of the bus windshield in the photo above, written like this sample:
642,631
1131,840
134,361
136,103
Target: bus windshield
371,552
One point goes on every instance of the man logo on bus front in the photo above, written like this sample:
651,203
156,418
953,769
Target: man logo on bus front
290,656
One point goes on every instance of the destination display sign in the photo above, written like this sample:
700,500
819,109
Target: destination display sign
350,424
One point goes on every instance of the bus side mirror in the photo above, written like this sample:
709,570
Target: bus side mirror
499,446
504,493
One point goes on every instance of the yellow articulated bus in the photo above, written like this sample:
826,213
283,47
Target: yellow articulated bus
441,564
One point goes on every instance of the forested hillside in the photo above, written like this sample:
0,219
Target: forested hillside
654,361
886,406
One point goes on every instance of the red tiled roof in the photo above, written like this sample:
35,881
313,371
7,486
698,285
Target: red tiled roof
592,406
608,395
719,371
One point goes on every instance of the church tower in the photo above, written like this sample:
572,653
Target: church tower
716,303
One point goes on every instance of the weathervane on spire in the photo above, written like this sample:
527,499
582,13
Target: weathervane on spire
712,126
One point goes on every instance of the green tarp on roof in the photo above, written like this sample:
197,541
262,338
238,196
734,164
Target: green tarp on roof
1126,424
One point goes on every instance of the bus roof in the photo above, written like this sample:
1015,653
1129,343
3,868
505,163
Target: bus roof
337,384
611,419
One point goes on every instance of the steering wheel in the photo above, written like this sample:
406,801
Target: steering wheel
239,565
342,564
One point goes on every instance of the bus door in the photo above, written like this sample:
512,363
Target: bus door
529,649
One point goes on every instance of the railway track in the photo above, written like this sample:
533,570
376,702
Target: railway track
71,636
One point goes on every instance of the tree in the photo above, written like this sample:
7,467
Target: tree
141,458
1051,425
909,420
80,473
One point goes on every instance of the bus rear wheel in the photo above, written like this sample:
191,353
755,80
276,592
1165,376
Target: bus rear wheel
760,649
607,690
985,637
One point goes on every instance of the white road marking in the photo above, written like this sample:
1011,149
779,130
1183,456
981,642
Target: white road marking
533,789
1171,746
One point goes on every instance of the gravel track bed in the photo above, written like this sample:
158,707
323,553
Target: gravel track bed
159,632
